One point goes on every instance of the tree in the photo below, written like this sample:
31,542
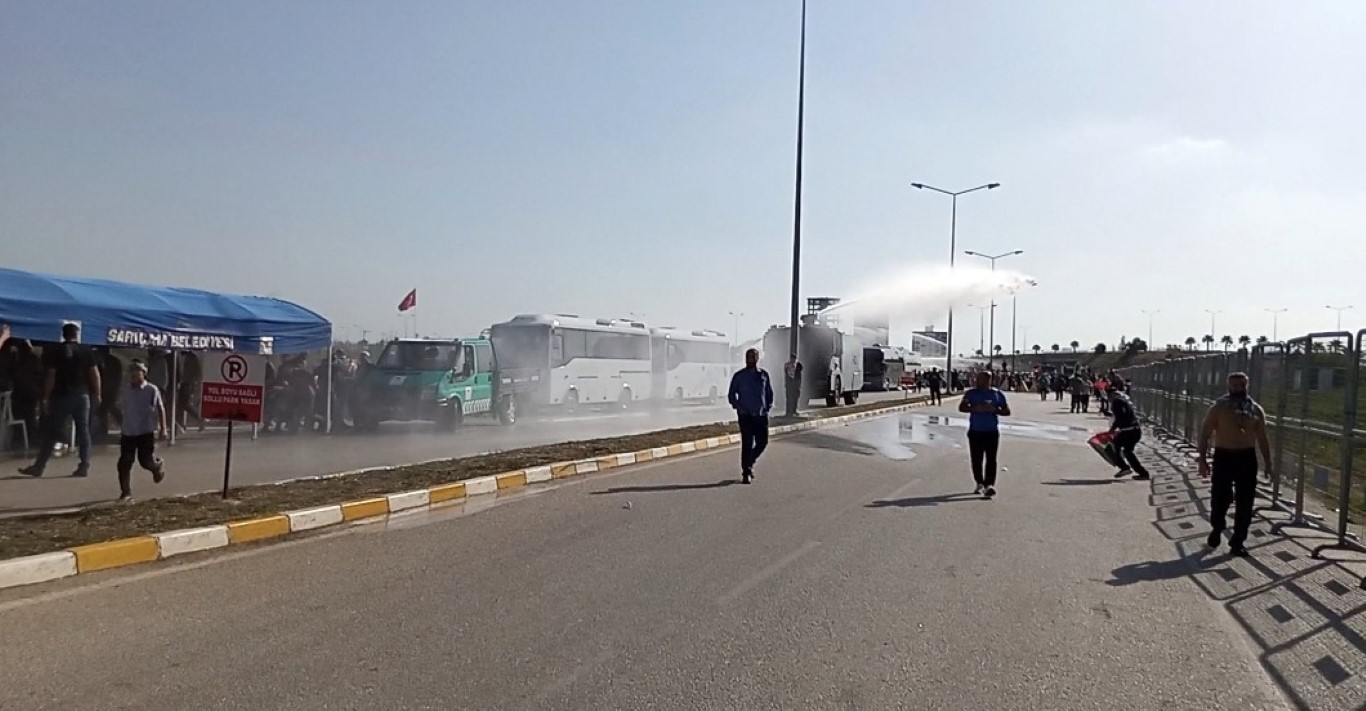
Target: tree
1208,340
1138,345
1319,347
1075,345
998,350
1336,345
1263,340
978,352
1037,348
1100,348
1227,342
1190,343
1244,341
1056,347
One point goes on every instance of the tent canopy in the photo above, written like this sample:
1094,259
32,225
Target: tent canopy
113,313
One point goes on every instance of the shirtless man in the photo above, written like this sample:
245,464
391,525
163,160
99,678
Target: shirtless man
1238,425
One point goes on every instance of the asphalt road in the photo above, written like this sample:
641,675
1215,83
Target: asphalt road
856,573
195,464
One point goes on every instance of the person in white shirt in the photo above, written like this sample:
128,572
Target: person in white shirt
144,421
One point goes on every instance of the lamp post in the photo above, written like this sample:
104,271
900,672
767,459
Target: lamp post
993,257
1150,315
735,337
981,327
797,202
953,250
1212,314
1339,309
1275,317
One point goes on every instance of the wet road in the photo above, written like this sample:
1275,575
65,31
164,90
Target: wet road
195,464
857,573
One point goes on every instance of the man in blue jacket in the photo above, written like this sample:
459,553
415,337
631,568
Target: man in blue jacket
751,394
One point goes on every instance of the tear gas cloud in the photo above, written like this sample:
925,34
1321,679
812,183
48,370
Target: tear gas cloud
925,293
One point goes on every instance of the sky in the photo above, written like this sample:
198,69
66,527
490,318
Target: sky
617,157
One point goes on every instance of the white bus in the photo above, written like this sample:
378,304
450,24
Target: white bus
562,360
690,366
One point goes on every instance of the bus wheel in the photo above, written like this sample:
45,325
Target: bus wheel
453,416
507,411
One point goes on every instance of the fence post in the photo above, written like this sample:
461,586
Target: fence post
1297,516
1346,446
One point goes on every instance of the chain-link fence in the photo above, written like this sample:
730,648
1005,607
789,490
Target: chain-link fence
1310,388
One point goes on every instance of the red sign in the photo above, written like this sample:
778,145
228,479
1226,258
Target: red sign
233,388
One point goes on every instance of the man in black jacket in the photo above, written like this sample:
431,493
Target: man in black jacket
1128,432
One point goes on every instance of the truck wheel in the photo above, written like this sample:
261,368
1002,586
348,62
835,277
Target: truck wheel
833,398
507,411
453,416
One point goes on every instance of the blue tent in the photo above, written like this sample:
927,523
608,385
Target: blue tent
129,315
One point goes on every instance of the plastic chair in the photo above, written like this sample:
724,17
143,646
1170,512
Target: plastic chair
8,423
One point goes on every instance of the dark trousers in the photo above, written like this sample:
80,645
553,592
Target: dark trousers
64,408
936,397
144,448
1124,443
1234,481
1076,403
1085,403
793,392
753,439
982,446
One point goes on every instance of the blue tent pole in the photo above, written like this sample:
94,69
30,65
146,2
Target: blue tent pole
175,391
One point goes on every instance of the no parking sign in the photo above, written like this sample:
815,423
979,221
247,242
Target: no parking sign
234,387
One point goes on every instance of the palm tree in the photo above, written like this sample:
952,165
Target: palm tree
998,350
979,352
1336,345
1037,348
1056,347
1075,346
1263,340
1244,341
1319,347
1190,343
1227,342
1208,340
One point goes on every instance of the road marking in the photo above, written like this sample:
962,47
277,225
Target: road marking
758,578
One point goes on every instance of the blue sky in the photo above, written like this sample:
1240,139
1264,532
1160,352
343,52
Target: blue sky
604,157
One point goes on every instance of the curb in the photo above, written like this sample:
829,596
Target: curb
46,567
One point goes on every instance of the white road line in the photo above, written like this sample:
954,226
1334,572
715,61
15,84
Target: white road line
773,569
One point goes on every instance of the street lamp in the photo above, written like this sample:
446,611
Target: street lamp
993,257
1339,309
1212,314
1151,314
953,251
981,326
735,338
797,202
1275,317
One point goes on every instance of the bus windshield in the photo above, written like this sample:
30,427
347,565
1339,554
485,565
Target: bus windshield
416,355
518,347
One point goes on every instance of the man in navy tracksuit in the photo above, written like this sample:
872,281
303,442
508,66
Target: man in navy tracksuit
751,394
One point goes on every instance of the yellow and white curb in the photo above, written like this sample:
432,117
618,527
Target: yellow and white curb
46,567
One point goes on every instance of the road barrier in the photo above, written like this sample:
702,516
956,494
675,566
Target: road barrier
1311,389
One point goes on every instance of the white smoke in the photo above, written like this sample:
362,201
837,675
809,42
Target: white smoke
925,293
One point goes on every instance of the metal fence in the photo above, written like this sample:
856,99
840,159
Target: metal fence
1311,389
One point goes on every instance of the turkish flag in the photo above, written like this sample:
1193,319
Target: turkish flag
409,301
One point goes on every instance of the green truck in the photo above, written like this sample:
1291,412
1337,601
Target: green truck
428,379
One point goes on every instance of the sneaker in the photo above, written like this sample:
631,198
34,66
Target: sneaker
1123,473
126,498
158,475
979,490
32,471
989,492
746,476
81,472
1237,551
1142,477
1215,537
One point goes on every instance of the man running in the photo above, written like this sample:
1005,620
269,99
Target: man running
985,405
1238,426
1128,432
751,394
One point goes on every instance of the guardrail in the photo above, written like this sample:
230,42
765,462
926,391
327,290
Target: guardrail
1311,389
